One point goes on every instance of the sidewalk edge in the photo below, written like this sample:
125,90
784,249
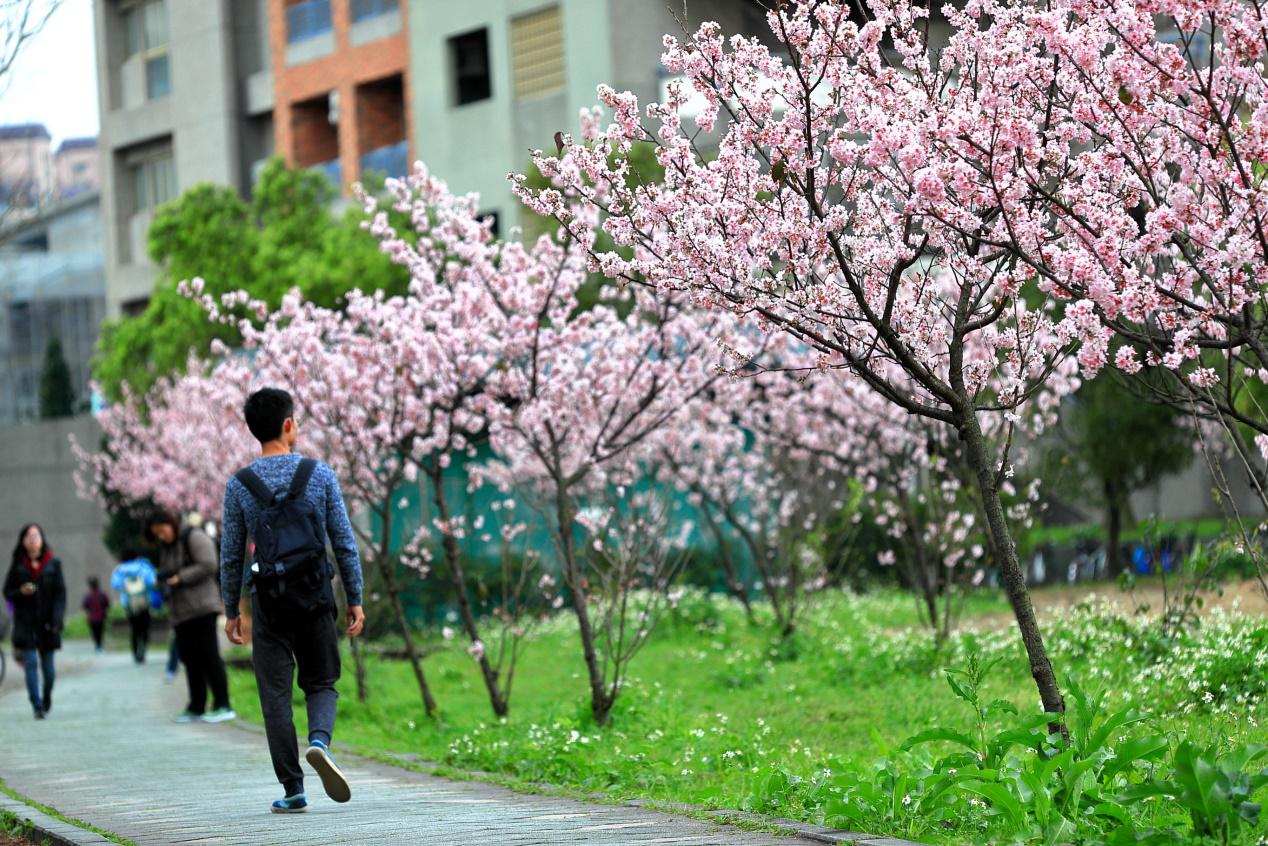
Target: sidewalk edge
787,827
48,828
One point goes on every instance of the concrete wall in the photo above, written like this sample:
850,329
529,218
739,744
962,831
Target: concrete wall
639,28
201,119
1189,495
474,146
619,42
37,485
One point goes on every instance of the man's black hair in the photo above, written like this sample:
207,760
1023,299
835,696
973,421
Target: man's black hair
129,553
266,410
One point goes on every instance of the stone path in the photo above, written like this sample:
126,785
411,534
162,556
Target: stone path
109,755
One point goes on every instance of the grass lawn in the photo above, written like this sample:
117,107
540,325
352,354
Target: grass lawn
718,713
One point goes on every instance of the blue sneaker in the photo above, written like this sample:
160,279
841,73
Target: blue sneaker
296,804
334,781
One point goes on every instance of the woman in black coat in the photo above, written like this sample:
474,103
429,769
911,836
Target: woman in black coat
37,589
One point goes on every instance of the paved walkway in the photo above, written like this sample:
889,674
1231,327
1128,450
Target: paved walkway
108,754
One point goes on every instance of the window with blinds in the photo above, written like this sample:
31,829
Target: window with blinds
145,35
537,53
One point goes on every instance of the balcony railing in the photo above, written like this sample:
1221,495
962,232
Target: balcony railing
364,9
307,19
333,171
392,161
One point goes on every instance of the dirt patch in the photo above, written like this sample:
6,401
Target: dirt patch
1247,597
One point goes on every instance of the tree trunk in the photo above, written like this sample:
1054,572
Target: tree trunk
402,622
600,702
389,580
1010,568
922,579
459,580
1114,560
728,566
358,661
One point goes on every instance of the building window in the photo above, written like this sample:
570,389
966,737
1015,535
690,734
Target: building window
364,9
145,28
469,57
1194,45
495,221
537,53
153,180
134,308
307,19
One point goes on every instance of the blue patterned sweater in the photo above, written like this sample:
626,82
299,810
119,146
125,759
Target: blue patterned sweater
242,514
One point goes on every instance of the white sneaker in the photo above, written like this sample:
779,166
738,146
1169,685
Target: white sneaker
219,715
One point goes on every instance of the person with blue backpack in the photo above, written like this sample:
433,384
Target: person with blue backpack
136,583
288,506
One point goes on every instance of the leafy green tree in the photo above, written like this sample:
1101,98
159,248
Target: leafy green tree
289,235
1114,442
57,390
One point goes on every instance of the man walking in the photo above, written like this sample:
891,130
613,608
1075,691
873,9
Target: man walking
288,506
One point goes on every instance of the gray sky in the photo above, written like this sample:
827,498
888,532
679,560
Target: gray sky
54,80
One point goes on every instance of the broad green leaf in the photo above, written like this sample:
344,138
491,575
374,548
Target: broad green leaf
1000,799
936,734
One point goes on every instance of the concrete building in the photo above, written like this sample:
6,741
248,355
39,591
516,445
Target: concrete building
26,167
76,167
52,285
342,82
185,96
498,78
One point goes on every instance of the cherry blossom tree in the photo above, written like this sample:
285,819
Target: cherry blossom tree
172,446
772,496
454,329
828,215
580,402
1136,194
914,479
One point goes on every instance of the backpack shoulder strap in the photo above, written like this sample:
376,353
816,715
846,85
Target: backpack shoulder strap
185,533
252,483
304,472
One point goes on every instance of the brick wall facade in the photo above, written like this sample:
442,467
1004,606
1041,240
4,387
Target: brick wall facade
357,73
381,113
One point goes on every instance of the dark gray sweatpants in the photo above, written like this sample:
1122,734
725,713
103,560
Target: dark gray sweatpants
278,648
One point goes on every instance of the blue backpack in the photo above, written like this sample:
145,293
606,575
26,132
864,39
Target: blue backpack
291,573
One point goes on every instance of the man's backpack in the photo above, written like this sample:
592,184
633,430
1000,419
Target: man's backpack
291,574
137,594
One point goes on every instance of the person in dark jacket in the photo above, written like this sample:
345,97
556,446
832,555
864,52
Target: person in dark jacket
188,565
36,587
96,606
